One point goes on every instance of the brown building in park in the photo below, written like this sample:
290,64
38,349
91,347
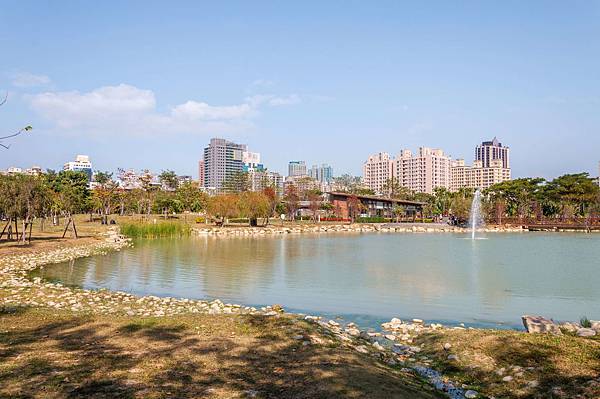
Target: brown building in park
372,206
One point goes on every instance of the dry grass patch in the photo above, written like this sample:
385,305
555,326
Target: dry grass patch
50,354
511,364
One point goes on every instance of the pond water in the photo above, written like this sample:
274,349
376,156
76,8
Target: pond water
367,278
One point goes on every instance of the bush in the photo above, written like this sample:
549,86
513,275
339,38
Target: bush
585,322
155,230
372,219
239,220
200,220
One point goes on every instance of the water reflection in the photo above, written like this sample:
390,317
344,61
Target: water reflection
430,276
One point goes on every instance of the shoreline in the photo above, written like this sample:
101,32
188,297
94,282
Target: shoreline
396,345
274,229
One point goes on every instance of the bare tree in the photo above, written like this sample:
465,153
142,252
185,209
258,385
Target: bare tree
23,130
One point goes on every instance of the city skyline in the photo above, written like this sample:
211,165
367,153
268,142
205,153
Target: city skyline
415,77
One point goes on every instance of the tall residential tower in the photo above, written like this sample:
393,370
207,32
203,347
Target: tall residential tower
488,151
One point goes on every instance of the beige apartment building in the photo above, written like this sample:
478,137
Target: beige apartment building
423,172
377,170
431,168
477,176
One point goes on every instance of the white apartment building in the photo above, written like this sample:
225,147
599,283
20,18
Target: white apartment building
477,176
377,170
82,163
423,172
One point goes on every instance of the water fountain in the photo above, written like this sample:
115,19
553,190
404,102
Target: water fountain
475,219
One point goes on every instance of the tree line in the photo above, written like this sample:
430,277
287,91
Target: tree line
564,198
55,195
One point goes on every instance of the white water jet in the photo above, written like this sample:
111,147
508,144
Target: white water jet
475,219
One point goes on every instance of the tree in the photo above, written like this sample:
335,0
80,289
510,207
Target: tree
105,193
9,136
190,196
237,182
24,197
461,204
271,194
354,207
443,201
166,202
399,211
223,206
72,196
314,198
351,184
168,180
291,200
327,207
575,192
394,189
254,205
517,195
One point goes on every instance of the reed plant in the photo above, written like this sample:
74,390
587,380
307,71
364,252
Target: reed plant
155,230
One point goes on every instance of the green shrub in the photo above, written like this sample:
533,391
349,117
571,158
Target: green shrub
239,220
154,230
585,322
372,219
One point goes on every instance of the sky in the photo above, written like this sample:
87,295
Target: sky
146,84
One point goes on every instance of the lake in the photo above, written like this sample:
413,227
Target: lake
366,278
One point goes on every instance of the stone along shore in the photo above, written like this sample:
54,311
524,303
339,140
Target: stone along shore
345,228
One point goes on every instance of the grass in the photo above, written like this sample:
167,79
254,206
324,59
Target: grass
52,354
540,365
154,230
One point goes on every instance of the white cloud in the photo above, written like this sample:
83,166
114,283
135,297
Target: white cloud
26,79
273,100
128,109
197,111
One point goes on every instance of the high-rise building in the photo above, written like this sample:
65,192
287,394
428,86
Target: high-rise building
423,172
323,173
491,166
222,160
488,151
326,173
476,176
377,170
296,168
82,163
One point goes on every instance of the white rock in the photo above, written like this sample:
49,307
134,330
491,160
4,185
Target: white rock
470,394
586,332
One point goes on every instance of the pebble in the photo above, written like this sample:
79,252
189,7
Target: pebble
470,394
507,378
453,357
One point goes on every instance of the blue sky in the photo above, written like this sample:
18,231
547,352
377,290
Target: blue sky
146,84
